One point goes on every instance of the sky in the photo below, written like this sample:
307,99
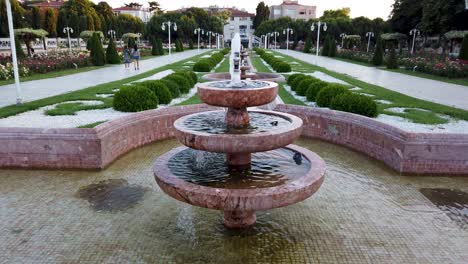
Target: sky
368,8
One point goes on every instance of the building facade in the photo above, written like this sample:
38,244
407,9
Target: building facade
143,13
294,10
239,21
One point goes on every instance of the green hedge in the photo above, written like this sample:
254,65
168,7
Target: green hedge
304,85
355,103
293,77
135,98
327,94
172,86
183,83
297,80
207,64
277,64
160,89
314,89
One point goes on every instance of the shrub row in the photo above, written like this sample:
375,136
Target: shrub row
148,94
277,64
207,64
333,95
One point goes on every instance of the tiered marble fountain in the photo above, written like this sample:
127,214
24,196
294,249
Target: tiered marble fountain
239,160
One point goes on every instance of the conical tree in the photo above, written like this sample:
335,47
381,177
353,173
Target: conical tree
332,47
464,49
377,59
307,45
112,56
154,47
160,47
326,46
392,62
131,43
97,52
19,50
190,44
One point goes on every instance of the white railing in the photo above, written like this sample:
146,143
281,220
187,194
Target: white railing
38,44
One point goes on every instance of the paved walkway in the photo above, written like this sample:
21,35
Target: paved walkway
429,90
39,89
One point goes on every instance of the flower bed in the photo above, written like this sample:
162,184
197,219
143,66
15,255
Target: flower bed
437,66
355,55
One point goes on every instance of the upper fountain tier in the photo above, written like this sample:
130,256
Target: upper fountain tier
244,94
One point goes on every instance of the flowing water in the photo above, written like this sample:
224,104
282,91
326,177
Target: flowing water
242,85
268,169
363,213
214,123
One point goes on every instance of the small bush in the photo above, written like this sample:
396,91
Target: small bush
292,77
179,46
314,89
392,62
190,75
377,59
283,67
297,80
173,87
308,45
182,82
160,89
202,66
135,98
304,85
326,95
97,52
111,53
355,103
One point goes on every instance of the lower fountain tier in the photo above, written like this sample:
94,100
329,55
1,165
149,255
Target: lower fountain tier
255,76
209,131
205,183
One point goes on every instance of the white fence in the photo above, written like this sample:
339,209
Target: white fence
50,43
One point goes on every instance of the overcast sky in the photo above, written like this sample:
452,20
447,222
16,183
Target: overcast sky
368,8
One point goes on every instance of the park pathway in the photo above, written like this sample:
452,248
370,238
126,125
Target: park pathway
425,89
34,90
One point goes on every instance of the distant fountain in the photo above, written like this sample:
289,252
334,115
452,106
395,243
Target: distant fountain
237,160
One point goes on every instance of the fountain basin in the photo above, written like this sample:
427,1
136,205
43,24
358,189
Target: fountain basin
239,205
257,76
217,139
219,94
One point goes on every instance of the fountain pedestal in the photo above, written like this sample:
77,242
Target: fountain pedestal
239,219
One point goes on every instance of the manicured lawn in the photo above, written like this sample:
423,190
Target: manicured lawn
398,99
87,94
92,124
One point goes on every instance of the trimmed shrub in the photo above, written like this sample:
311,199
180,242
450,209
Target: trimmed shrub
154,47
304,85
202,66
292,77
277,64
172,86
19,50
190,44
135,98
283,67
297,80
314,89
355,103
97,52
392,62
464,49
308,46
332,47
111,53
377,59
205,65
179,46
182,82
326,46
190,75
327,94
160,89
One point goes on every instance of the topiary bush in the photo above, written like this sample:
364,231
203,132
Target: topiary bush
332,47
207,64
172,86
112,56
327,94
377,59
190,75
97,52
392,62
202,66
277,64
160,89
182,82
292,77
179,46
308,45
135,98
355,103
297,80
304,85
314,89
283,67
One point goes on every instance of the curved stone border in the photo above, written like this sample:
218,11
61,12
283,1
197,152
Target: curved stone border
256,76
240,143
241,199
408,153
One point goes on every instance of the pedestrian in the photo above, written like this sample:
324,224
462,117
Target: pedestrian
136,57
126,57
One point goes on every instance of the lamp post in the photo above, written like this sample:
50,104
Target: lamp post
198,31
68,30
216,38
209,34
275,34
319,27
19,99
169,24
414,32
287,32
369,35
342,36
261,40
268,40
111,33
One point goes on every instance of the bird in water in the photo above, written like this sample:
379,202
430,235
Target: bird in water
298,158
274,123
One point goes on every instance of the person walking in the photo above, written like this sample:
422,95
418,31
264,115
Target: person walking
136,57
126,57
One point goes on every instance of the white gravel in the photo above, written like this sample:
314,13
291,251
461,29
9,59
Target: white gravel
156,76
403,110
453,126
104,95
383,101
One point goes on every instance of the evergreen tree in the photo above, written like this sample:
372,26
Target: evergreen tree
332,47
154,47
160,47
179,46
326,46
36,18
377,59
51,22
464,49
190,44
19,50
112,56
97,52
392,62
262,14
307,45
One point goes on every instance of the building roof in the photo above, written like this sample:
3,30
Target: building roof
239,13
48,4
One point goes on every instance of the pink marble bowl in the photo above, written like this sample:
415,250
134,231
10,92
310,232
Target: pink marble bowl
240,143
237,97
256,76
259,199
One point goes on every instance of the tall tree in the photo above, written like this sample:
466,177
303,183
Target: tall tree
154,7
442,16
106,15
262,14
50,22
406,15
35,18
133,5
18,17
72,10
335,14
